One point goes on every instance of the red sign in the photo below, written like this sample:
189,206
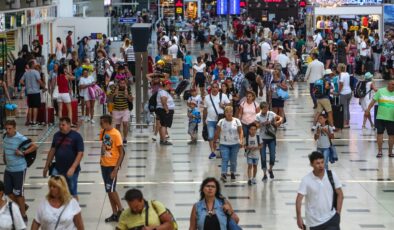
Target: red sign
179,3
302,4
242,4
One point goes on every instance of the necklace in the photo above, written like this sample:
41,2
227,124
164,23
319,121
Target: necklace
210,211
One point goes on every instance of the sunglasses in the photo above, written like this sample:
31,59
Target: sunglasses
56,177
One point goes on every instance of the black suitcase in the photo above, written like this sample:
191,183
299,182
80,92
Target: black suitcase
369,66
181,87
337,113
186,95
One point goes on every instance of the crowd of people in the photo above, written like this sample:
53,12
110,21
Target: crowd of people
225,97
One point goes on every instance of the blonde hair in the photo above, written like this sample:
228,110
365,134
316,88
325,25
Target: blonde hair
228,108
61,183
342,67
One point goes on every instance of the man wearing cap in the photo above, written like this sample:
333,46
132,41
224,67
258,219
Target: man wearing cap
314,72
165,110
323,101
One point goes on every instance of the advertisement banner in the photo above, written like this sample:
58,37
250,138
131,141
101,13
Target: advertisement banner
234,7
388,17
221,7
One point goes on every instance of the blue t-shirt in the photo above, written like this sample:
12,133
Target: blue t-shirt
196,116
189,60
14,163
67,151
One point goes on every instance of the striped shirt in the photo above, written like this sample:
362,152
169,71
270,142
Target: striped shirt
120,101
130,54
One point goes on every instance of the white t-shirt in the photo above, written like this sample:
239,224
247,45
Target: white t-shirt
212,30
229,131
47,215
199,68
5,217
363,49
270,116
283,60
318,198
345,79
197,99
324,140
173,51
265,50
170,100
85,81
253,142
211,114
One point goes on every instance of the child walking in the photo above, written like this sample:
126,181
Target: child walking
194,119
323,134
252,151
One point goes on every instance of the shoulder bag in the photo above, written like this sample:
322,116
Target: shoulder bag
270,129
231,224
11,214
331,179
61,213
219,115
53,164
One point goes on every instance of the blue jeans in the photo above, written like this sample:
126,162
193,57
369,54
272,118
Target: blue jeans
271,143
326,153
229,153
311,87
72,181
211,125
245,129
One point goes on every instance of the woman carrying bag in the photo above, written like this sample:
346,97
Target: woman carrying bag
59,210
10,215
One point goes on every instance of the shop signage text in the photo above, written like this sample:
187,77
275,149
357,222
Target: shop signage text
127,20
221,7
235,9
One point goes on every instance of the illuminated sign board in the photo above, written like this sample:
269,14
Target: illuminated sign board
234,8
221,7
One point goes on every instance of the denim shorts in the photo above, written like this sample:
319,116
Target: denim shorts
252,161
211,125
110,184
72,181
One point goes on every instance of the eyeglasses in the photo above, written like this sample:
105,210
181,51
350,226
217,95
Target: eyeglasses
56,177
210,186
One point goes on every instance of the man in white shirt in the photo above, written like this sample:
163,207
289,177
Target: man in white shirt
363,52
323,197
173,49
314,72
265,50
214,104
212,29
317,38
283,60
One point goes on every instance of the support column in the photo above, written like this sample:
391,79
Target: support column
143,77
138,84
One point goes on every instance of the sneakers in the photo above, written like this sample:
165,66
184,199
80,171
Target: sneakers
92,121
165,143
264,177
313,128
212,155
87,119
254,181
192,142
232,176
154,138
271,174
223,178
112,218
249,182
125,142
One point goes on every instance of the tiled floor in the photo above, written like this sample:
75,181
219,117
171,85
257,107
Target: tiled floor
173,174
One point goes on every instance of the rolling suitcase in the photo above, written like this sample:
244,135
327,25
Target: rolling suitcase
181,87
337,113
46,114
74,111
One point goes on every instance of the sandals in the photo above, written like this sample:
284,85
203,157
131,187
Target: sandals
379,155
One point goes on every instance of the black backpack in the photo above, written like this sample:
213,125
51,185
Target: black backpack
31,157
152,103
361,89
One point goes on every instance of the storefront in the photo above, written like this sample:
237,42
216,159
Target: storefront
267,10
192,9
357,17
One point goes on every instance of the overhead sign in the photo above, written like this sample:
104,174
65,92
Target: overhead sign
221,7
127,20
234,8
348,2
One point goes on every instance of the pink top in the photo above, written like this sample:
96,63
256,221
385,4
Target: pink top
249,112
274,56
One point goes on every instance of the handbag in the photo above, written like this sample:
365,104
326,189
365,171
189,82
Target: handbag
333,153
205,132
231,224
270,129
282,94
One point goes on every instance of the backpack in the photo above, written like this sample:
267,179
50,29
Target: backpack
179,53
319,88
152,103
218,32
361,89
31,157
174,223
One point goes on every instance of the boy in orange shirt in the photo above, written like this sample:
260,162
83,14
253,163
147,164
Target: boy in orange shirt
112,153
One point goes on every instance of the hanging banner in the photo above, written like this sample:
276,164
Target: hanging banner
234,7
221,7
388,17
